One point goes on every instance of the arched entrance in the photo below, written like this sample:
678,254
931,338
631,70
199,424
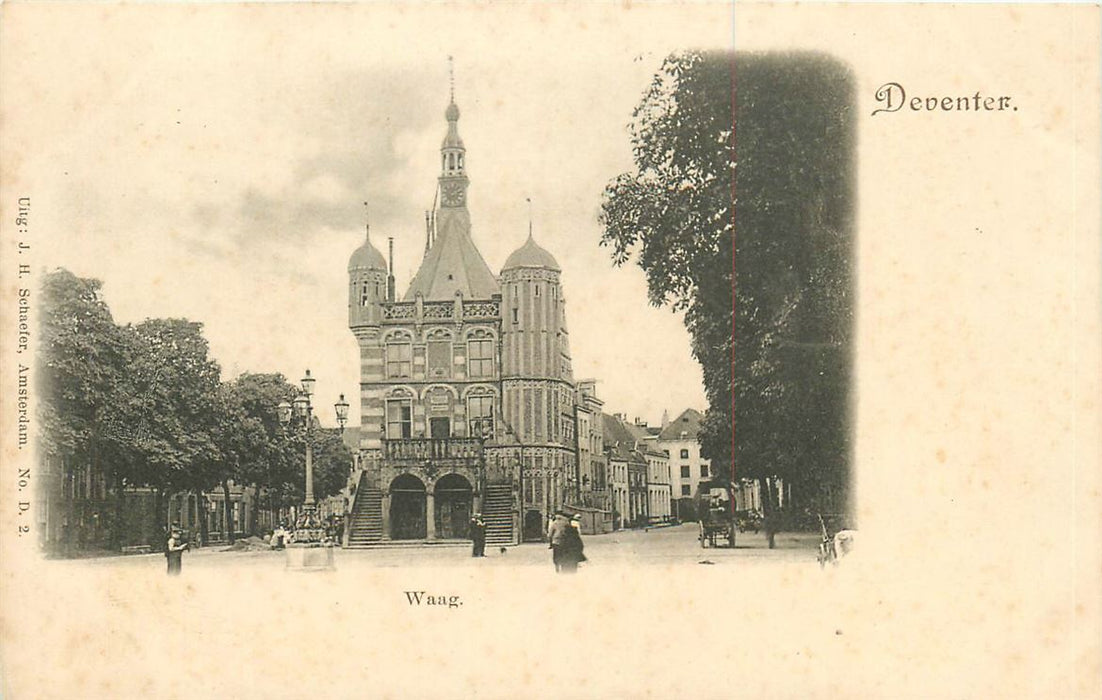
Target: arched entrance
453,498
407,508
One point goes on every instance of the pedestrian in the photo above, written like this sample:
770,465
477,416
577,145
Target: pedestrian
556,535
572,548
174,552
478,536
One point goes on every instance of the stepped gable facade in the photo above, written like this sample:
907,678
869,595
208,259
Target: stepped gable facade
467,399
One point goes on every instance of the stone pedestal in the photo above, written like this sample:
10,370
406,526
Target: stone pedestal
310,557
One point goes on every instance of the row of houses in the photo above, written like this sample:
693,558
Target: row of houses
77,510
635,473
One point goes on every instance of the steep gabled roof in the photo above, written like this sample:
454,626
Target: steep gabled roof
688,422
619,440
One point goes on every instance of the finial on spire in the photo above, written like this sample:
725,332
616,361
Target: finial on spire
451,78
367,220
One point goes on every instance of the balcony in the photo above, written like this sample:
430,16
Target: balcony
420,450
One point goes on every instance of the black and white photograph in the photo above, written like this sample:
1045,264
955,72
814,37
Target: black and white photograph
408,350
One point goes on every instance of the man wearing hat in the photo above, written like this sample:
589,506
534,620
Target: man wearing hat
174,551
556,535
478,536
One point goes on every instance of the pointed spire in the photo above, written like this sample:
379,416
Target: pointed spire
452,112
428,232
366,256
529,200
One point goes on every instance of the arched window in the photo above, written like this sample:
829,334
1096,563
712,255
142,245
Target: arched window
399,418
480,416
438,351
399,359
480,357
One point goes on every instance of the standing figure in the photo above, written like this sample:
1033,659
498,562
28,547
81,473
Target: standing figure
174,552
478,536
572,548
556,534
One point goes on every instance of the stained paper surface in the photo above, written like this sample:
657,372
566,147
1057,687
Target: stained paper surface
978,347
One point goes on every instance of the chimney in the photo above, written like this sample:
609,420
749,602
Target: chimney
390,272
640,422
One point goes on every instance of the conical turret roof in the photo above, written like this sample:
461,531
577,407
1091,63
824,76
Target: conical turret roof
367,256
531,255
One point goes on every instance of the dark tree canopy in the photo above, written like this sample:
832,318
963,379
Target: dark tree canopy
146,404
739,213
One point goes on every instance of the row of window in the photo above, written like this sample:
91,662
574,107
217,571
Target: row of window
438,358
686,471
536,291
684,453
399,419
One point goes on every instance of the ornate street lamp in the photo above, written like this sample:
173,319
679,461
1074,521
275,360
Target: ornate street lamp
342,411
299,415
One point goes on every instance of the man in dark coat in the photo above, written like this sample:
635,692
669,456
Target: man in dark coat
556,536
572,550
478,536
174,551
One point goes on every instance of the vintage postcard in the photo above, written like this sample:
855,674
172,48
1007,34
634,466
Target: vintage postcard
638,350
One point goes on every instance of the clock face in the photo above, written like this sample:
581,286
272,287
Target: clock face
452,193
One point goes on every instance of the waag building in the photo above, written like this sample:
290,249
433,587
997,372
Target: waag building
467,399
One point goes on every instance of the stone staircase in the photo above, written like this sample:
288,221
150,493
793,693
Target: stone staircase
497,511
366,521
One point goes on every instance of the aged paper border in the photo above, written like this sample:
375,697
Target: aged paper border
977,429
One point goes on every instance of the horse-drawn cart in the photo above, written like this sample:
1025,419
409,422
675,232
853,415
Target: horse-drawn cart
717,519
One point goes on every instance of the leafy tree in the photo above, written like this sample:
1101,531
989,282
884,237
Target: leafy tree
740,200
82,361
265,453
332,460
175,384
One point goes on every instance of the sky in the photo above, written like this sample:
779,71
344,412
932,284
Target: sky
214,166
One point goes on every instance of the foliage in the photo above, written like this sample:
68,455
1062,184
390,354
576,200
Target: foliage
81,359
175,384
332,460
740,199
146,404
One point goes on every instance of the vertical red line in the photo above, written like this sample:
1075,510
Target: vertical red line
734,297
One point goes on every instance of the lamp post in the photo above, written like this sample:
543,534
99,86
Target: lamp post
299,414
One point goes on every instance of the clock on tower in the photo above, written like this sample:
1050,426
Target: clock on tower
452,194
